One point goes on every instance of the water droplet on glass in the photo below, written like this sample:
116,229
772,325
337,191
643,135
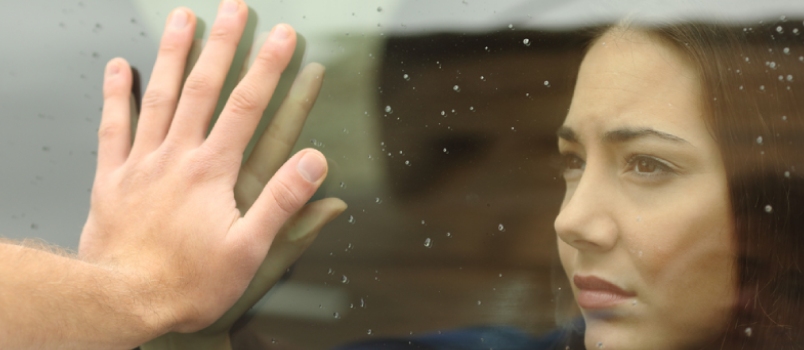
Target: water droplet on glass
336,315
407,162
389,110
501,228
748,331
787,174
379,9
343,185
786,50
600,345
428,243
471,108
772,65
526,42
546,83
789,77
779,29
362,303
378,200
329,272
456,88
762,87
351,219
449,234
784,117
768,208
759,140
478,302
510,26
445,150
444,113
369,331
344,279
747,59
406,77
423,222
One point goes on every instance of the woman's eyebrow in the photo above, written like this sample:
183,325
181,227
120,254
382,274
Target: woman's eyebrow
621,135
624,135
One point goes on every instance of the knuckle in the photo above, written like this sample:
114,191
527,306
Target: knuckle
287,200
154,98
110,130
244,99
269,59
198,84
221,33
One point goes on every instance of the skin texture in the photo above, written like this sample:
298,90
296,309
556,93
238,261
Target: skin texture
647,214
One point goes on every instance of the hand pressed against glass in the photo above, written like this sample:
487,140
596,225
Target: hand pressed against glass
645,230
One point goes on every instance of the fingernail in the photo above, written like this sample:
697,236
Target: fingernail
113,69
229,6
312,166
279,33
179,19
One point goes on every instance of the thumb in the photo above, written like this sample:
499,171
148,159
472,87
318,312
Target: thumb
297,234
287,192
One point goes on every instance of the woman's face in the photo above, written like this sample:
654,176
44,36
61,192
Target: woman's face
645,230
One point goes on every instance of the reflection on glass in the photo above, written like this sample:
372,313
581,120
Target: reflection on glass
679,138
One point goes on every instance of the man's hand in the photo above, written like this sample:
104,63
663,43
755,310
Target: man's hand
295,236
163,211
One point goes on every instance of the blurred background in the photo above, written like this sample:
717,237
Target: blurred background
438,120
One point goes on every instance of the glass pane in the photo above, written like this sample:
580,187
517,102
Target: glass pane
675,203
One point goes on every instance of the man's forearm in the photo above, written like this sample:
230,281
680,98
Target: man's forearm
52,301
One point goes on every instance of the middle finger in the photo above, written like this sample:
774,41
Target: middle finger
203,85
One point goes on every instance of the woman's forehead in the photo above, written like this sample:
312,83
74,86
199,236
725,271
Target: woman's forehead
631,79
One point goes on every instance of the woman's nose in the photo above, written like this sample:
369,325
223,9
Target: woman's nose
586,220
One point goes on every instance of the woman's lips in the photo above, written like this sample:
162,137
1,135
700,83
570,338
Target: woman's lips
597,293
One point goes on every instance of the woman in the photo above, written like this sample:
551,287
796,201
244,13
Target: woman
681,225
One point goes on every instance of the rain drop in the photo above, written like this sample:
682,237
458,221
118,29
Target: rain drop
526,42
789,77
379,9
501,228
759,140
389,110
407,162
786,50
351,219
378,200
449,234
787,174
768,208
546,83
369,331
510,26
456,88
779,29
445,150
482,78
444,113
478,303
406,77
343,184
748,331
784,117
336,315
428,243
344,279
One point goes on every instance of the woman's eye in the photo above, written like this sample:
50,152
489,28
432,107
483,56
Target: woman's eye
573,162
648,166
571,165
